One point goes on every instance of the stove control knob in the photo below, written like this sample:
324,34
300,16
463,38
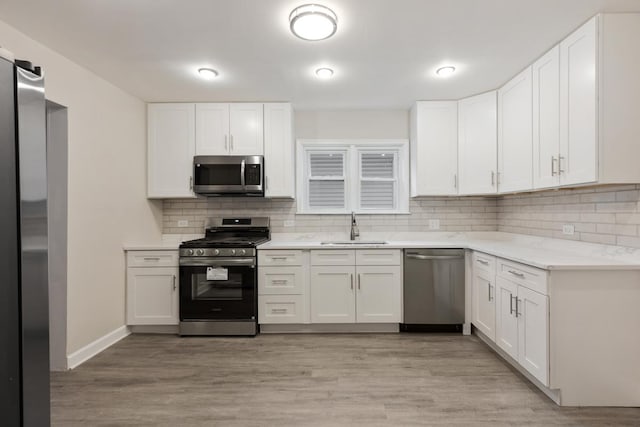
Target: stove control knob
200,252
233,251
242,252
216,252
189,251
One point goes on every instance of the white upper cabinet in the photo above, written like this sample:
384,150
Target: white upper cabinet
434,148
234,129
477,144
546,119
278,150
212,129
170,150
515,148
578,106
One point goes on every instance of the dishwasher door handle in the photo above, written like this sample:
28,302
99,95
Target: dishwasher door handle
427,257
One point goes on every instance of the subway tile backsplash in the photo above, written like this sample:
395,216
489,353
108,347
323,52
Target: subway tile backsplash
606,214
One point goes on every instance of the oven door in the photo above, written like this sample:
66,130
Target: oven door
218,289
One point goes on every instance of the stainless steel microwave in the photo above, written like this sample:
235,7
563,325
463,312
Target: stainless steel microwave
228,175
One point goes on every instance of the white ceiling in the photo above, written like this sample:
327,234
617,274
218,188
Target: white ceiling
384,52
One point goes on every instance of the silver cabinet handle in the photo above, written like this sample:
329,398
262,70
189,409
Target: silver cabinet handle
152,258
481,261
510,304
358,280
518,301
553,166
226,145
517,274
493,178
266,183
455,180
278,310
489,290
351,281
427,257
231,142
190,183
174,282
560,170
279,281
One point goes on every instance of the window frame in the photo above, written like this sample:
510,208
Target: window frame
352,172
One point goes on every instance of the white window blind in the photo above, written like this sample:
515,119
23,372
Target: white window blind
378,179
326,180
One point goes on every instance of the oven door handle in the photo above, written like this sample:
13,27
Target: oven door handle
213,262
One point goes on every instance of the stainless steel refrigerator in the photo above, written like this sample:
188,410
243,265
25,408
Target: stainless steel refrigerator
24,311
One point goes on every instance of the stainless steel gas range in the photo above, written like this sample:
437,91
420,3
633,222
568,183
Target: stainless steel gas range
218,278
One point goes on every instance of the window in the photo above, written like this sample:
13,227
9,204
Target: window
343,176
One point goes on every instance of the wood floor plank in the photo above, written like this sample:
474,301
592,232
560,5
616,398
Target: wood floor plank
308,380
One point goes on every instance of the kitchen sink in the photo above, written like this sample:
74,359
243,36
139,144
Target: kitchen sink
354,243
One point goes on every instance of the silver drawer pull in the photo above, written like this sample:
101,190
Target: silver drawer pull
427,257
152,259
279,282
278,310
279,257
517,274
481,261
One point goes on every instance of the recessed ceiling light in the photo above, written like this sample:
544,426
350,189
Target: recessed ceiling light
313,22
207,73
324,73
446,71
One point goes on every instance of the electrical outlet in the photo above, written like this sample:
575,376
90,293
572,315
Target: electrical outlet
568,229
183,223
434,224
289,223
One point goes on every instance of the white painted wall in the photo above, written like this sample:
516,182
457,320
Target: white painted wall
107,187
352,124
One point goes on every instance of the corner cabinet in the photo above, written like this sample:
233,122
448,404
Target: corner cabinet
434,148
152,287
514,134
279,151
477,144
170,150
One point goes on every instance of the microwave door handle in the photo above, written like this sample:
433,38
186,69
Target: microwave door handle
242,164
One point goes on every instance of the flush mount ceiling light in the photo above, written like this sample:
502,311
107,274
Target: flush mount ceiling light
207,73
446,71
313,22
324,73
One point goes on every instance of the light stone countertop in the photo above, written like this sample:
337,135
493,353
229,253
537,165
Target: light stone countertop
545,253
168,242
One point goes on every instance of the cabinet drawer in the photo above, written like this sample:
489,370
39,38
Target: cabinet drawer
484,262
333,257
279,257
525,275
152,258
378,257
280,280
280,309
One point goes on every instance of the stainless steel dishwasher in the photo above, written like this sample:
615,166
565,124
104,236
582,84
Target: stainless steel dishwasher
433,290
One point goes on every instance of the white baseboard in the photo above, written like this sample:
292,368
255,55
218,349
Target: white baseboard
77,358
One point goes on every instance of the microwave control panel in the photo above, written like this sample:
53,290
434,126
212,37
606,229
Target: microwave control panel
252,175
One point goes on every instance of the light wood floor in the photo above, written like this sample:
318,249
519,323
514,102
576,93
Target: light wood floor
308,380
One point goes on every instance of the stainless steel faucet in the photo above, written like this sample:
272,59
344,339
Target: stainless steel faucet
354,227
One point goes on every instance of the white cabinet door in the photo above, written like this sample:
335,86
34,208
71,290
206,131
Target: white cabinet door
515,149
477,144
484,303
506,320
379,294
212,129
434,148
333,298
533,336
246,129
578,106
170,150
278,150
152,296
546,119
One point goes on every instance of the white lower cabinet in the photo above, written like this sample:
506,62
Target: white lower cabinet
356,293
152,288
511,308
283,286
